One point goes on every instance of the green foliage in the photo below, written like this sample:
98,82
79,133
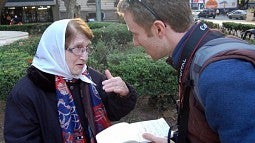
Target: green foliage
31,28
154,78
116,31
98,56
251,41
29,46
96,25
113,50
102,49
211,24
237,26
14,62
149,77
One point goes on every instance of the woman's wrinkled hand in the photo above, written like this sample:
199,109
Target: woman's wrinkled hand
115,84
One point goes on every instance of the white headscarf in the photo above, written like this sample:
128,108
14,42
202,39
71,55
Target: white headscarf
50,54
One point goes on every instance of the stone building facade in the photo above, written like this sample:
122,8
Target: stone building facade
32,11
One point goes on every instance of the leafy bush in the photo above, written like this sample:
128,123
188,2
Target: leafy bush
96,25
154,78
31,28
113,50
116,31
13,66
98,56
211,24
15,58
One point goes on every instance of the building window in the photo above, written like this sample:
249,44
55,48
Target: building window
89,2
92,16
28,14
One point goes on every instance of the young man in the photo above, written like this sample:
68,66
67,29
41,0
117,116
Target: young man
221,108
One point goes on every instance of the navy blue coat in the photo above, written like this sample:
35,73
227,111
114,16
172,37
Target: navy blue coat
31,114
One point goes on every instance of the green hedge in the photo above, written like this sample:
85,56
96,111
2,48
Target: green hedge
113,49
96,25
31,28
116,31
104,31
149,77
237,26
14,62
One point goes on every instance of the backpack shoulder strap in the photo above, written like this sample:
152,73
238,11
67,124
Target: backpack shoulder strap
218,49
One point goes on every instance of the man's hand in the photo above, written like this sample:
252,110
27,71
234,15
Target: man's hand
115,84
155,139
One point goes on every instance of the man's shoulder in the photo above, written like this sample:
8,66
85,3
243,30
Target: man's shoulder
221,59
224,48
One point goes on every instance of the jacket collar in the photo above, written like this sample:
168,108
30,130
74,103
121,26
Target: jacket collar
41,79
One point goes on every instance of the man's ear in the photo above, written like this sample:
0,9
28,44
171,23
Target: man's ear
159,27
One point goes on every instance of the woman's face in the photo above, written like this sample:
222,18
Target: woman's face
76,53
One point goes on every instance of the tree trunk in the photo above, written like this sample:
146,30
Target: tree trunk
2,4
243,4
71,8
98,10
77,12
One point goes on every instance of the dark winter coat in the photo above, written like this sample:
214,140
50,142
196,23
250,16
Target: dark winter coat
31,111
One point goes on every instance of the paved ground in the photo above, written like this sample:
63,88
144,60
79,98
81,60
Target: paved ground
7,37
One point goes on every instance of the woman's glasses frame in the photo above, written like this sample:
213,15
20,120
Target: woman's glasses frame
79,51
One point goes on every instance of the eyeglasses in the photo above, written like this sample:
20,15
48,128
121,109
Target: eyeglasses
78,51
147,7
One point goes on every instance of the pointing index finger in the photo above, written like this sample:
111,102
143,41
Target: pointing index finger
108,74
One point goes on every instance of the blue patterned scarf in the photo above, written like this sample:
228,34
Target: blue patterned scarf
72,130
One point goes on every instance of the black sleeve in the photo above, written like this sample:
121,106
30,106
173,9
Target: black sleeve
21,124
116,106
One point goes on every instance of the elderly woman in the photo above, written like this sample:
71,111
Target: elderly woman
61,99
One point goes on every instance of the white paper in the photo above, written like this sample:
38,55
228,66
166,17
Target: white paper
132,132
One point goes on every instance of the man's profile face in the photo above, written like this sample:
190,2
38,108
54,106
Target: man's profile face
141,38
